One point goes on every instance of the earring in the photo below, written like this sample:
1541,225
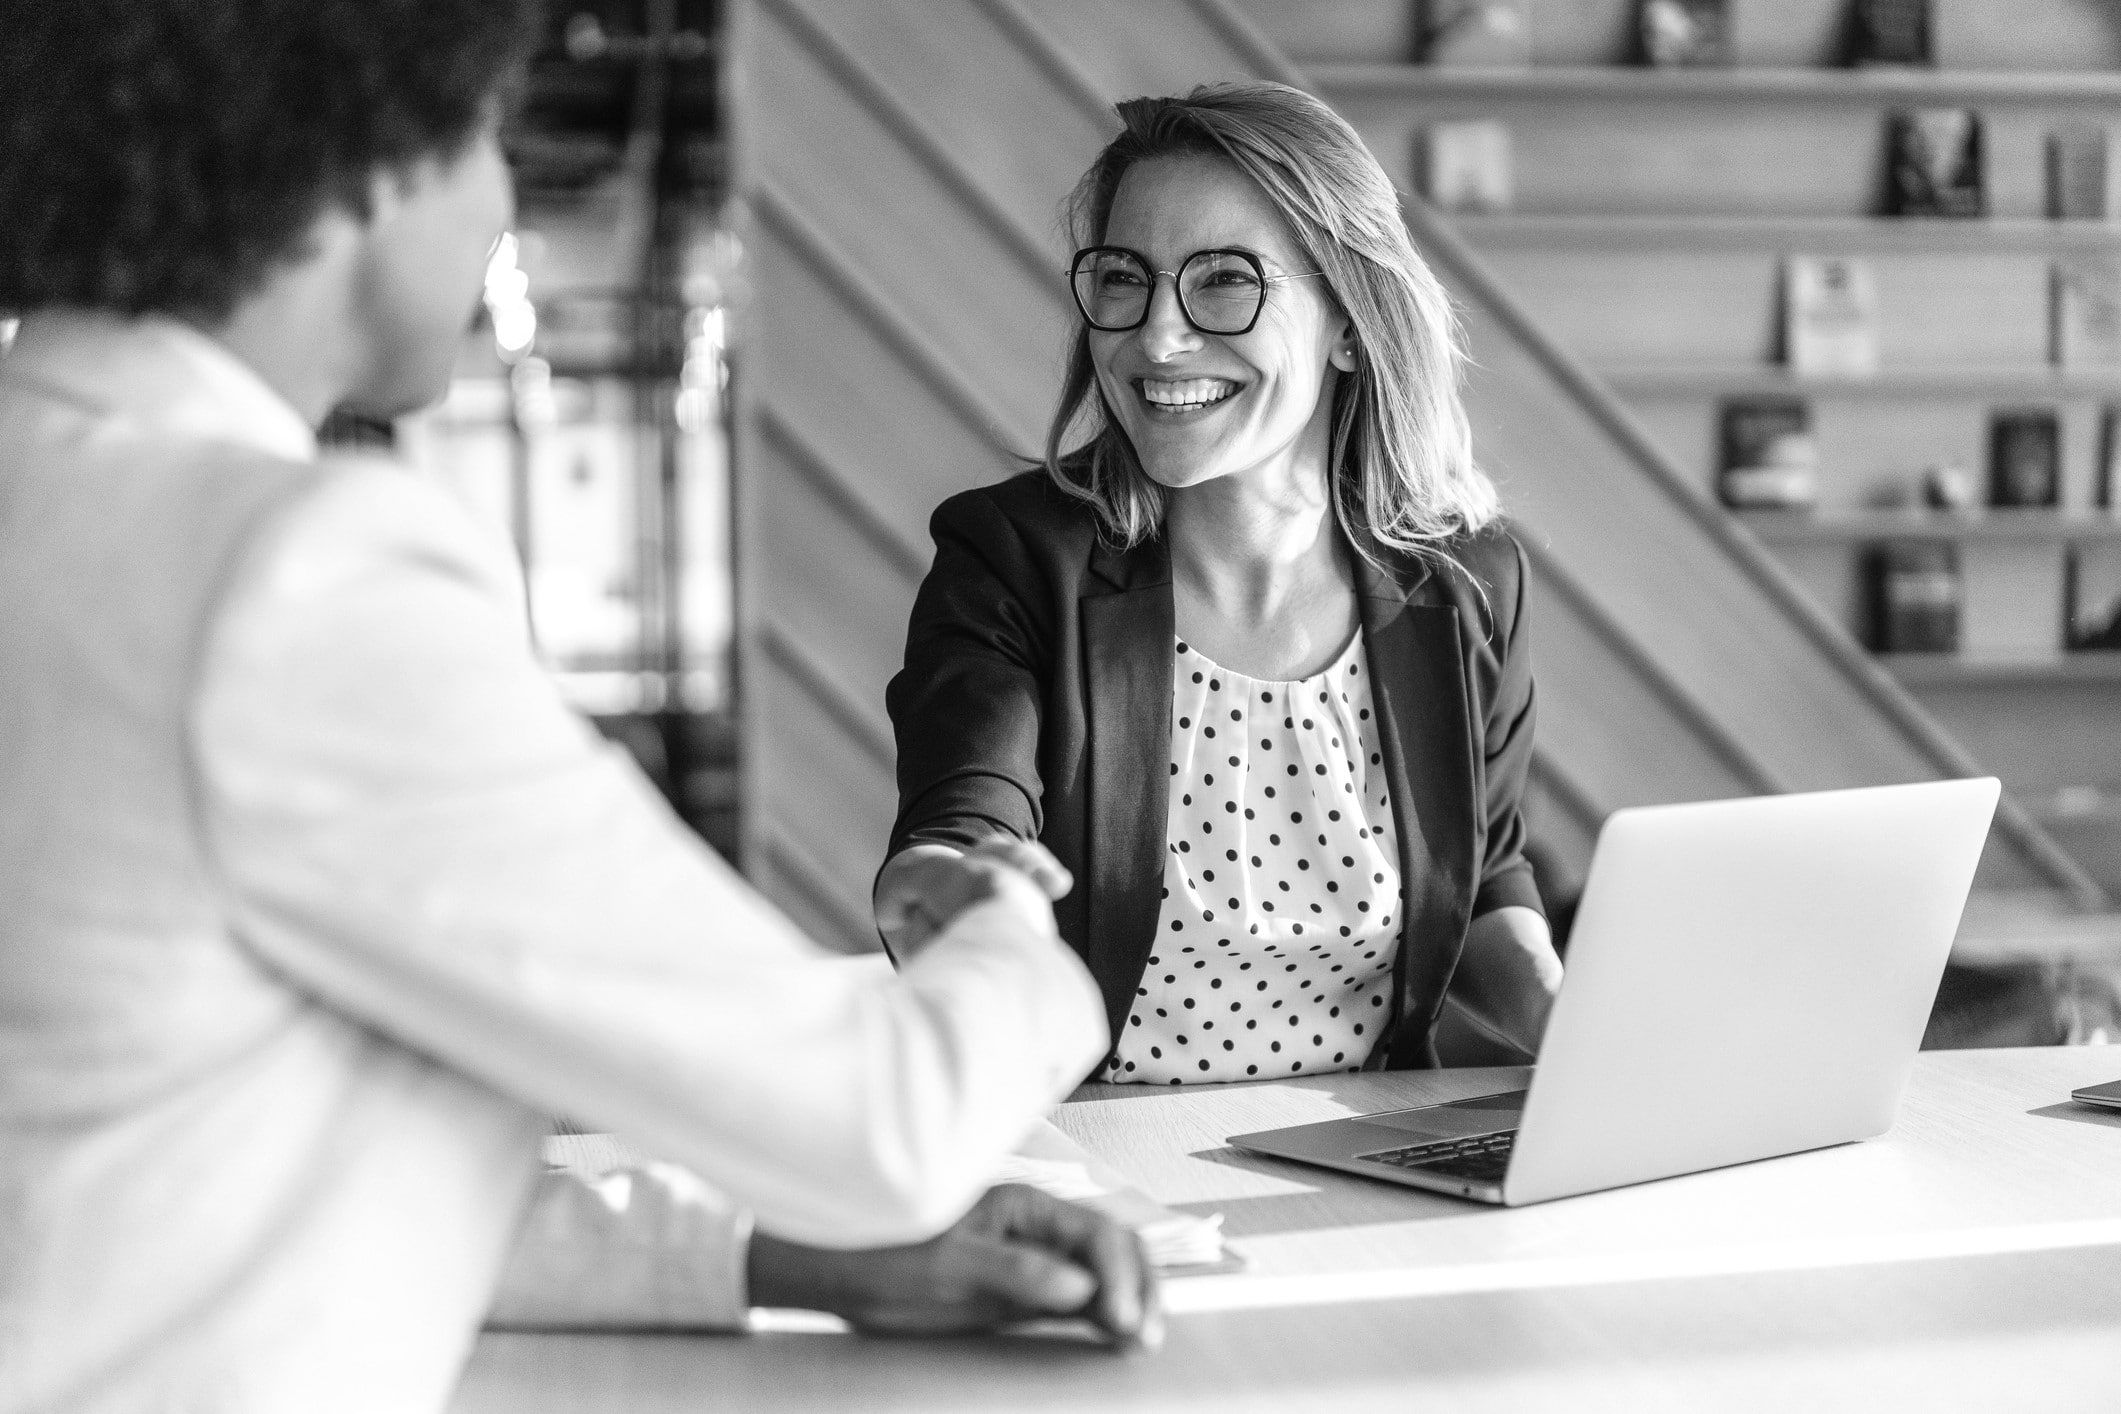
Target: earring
1344,357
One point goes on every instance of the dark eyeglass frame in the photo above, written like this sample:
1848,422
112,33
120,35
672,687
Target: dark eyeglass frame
1178,287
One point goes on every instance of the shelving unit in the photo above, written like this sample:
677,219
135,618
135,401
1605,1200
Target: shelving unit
2030,526
1994,382
1652,215
1608,82
1957,670
1776,235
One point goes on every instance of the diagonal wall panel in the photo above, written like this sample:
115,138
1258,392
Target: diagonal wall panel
903,161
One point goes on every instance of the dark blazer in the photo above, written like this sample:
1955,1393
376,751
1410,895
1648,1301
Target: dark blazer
1036,702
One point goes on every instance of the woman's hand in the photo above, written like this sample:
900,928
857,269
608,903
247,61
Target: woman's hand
1508,976
925,886
1019,1255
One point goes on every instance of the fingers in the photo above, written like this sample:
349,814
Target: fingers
925,887
921,890
1127,1305
981,880
1029,1281
1149,1335
1029,857
1018,1255
913,930
897,910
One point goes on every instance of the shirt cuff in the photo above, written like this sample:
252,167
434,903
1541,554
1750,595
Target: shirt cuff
638,1247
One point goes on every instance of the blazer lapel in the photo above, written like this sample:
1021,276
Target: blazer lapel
1417,678
1127,631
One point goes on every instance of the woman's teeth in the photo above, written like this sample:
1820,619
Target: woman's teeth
1188,394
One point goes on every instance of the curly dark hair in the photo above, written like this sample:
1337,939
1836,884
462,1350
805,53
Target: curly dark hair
164,155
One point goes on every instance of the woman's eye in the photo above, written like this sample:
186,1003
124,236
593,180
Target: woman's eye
1231,280
1120,279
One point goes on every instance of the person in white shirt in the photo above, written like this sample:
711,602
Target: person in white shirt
315,901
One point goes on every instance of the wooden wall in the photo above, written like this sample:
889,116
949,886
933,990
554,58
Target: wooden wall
901,164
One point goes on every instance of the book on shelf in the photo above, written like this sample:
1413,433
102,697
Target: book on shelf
2085,311
1830,316
1770,459
2107,473
1948,486
1890,32
2106,482
1935,163
2080,177
1685,33
1466,165
2091,606
2025,458
1916,595
1476,34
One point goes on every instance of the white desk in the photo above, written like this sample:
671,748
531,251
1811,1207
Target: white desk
1969,1260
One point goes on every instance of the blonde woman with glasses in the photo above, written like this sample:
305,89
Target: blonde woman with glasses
1241,672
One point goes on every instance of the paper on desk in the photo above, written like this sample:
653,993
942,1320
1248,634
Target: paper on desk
1050,1161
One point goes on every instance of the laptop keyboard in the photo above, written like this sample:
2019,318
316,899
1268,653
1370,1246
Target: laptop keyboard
1480,1157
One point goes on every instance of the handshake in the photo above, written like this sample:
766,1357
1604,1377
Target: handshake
926,886
1019,1254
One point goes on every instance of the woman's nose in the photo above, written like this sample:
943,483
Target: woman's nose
1166,334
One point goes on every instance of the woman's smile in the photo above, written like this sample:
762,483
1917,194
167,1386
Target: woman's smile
1184,397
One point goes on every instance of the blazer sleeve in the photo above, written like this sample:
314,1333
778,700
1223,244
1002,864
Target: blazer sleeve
1505,874
966,708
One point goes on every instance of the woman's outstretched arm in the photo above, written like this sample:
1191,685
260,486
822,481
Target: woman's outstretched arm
966,710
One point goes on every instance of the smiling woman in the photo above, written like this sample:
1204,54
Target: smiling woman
1246,657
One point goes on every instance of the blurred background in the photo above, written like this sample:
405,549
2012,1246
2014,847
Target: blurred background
1797,327
587,421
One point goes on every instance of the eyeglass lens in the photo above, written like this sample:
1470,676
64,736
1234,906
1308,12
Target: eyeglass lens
1219,291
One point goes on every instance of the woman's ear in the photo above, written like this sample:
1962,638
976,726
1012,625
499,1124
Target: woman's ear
1345,351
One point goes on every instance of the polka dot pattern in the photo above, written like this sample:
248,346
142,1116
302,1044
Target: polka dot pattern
1273,954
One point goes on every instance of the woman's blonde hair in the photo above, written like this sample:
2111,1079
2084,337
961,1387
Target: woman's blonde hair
1402,450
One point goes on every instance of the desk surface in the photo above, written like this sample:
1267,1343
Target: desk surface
1970,1259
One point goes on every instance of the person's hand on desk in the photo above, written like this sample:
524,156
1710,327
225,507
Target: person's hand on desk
1508,977
1018,1255
924,886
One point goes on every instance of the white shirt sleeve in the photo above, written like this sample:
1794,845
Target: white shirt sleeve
410,825
646,1245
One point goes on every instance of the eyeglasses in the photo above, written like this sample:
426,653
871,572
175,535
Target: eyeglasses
1219,291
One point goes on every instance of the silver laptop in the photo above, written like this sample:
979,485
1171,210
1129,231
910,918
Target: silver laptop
1746,978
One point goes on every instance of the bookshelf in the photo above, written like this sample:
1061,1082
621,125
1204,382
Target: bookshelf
1634,83
1772,235
2011,35
1960,670
1771,144
1997,382
1653,212
2037,526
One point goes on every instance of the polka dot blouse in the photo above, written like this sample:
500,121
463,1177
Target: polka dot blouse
1273,952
